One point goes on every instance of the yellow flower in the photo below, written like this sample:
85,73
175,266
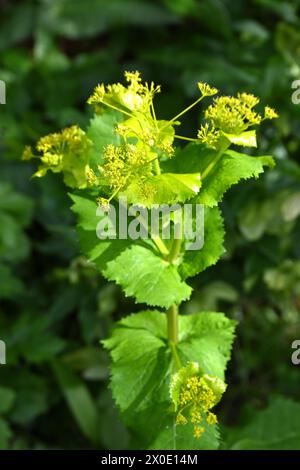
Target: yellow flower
98,95
91,178
103,203
123,161
196,395
208,135
249,99
198,431
195,416
180,419
136,96
27,153
66,151
211,418
207,90
270,113
233,115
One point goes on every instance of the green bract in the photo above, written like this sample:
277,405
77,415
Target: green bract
167,369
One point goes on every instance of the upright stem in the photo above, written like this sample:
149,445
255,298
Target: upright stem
172,319
156,166
222,150
212,164
175,249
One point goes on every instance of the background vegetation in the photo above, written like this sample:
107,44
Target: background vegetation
54,308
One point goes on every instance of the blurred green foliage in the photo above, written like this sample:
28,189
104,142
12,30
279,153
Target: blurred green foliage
54,307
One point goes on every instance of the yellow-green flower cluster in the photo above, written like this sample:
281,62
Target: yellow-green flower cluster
270,113
137,96
233,115
208,135
230,116
66,151
194,395
135,101
121,162
207,90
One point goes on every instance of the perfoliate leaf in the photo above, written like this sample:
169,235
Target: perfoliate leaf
207,339
228,170
150,278
146,276
141,375
196,261
166,188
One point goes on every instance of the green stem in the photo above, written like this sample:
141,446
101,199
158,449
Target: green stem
186,110
172,320
181,137
156,167
177,361
214,161
175,249
161,246
117,109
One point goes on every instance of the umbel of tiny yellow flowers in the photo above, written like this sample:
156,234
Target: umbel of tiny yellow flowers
207,90
124,161
230,117
137,96
59,151
270,113
135,103
194,395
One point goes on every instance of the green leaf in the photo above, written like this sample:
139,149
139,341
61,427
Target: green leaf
166,188
196,261
275,428
75,19
16,204
85,209
33,339
7,397
32,396
229,170
5,434
147,277
142,365
79,400
101,132
10,285
207,339
150,278
96,250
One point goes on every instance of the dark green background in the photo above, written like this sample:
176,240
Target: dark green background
53,307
